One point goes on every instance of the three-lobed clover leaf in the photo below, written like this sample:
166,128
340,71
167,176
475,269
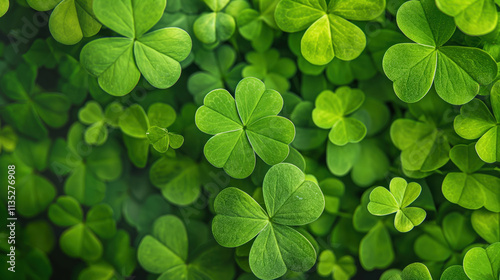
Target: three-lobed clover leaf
215,26
476,121
118,62
243,126
397,200
80,240
329,33
467,188
415,67
341,269
165,252
71,20
331,112
290,200
93,115
474,18
483,264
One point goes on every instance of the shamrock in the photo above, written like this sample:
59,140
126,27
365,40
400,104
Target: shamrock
92,114
119,61
80,240
401,195
290,200
469,189
332,110
414,67
340,269
71,20
329,33
474,18
243,126
483,264
165,252
216,26
476,121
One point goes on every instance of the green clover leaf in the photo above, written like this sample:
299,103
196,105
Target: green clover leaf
340,269
165,252
290,200
244,126
80,240
454,272
118,62
4,7
308,136
340,72
476,121
257,26
93,115
469,189
71,20
415,67
485,223
8,138
474,18
483,264
216,26
329,33
331,112
375,249
401,195
411,271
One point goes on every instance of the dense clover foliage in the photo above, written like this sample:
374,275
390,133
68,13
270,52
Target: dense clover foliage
250,139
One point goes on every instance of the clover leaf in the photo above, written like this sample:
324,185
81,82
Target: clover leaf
165,252
8,139
80,240
476,121
474,18
340,72
485,223
340,269
4,7
329,33
92,114
375,249
29,109
411,271
483,264
257,25
271,69
308,136
414,67
401,195
331,112
469,189
290,200
454,272
215,26
118,62
243,126
71,20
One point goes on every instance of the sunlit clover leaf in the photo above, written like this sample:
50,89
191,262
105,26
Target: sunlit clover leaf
483,264
476,121
375,249
474,18
414,67
80,240
454,272
215,26
485,223
397,200
340,269
8,139
71,20
29,109
469,189
270,68
93,115
118,62
165,252
410,272
244,126
4,7
329,33
331,112
423,146
290,200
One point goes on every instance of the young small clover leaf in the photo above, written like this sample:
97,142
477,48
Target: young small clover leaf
165,252
290,200
476,121
8,138
474,18
469,189
216,26
329,33
71,20
270,68
92,114
414,67
30,109
401,195
243,126
257,26
332,110
119,61
340,269
80,240
483,264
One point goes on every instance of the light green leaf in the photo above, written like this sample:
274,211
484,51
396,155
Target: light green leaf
65,212
134,122
416,271
454,272
161,115
80,242
159,137
472,17
474,120
466,158
214,27
485,223
100,221
375,249
481,264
